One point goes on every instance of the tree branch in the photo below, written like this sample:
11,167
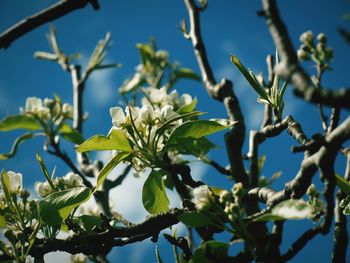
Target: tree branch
53,12
322,159
290,69
118,236
341,237
223,92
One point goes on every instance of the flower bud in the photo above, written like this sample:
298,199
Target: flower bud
312,191
67,110
48,102
320,47
237,188
15,182
202,197
322,38
329,53
307,38
302,54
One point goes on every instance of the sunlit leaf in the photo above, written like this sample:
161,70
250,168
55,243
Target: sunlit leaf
5,184
2,222
57,206
154,197
261,163
186,73
188,108
289,209
343,184
252,81
109,167
116,140
17,142
19,122
71,134
191,130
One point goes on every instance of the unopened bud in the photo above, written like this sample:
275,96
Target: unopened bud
322,38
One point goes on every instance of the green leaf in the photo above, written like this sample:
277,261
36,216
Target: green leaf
261,163
194,219
191,130
252,81
154,197
17,142
146,51
57,206
2,222
5,183
211,252
71,134
288,209
115,140
109,167
343,184
188,108
44,169
19,122
186,73
199,147
90,221
166,124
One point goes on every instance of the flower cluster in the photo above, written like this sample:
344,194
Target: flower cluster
140,125
160,98
48,109
70,180
320,54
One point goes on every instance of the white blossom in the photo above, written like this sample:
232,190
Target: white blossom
185,99
202,197
118,116
146,114
73,180
167,113
43,189
158,96
15,182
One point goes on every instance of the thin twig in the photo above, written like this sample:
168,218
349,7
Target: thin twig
53,12
289,68
322,159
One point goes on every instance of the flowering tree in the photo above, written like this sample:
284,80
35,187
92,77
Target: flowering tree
154,132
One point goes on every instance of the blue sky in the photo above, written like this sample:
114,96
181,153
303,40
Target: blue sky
228,27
